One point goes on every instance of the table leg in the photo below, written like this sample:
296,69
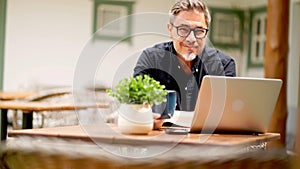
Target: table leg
27,120
3,124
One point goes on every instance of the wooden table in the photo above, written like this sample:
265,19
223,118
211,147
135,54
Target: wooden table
29,107
98,147
71,147
110,134
7,95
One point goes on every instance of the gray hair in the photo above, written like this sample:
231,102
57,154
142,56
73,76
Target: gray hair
186,5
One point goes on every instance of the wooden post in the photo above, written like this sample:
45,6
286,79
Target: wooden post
276,55
297,161
297,142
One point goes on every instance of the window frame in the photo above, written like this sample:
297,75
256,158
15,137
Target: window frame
125,9
237,18
254,60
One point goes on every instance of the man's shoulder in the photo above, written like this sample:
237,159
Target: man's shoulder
159,50
213,52
164,45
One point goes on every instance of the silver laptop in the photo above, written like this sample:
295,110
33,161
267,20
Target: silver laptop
235,104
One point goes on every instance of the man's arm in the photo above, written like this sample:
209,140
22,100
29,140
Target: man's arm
230,68
217,63
143,65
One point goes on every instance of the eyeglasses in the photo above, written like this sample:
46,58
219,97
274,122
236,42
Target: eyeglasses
184,31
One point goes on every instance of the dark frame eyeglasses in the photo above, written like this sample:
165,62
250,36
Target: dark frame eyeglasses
184,31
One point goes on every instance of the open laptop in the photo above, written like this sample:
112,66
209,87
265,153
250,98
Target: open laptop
235,104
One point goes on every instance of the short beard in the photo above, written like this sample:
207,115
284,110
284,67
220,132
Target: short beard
189,57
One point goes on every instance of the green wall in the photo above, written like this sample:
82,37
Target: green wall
3,115
2,38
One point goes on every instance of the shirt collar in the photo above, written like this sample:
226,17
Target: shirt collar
196,63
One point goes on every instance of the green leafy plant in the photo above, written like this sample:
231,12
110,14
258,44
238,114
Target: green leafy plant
139,90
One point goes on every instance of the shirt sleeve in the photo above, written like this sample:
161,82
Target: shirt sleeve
230,68
217,63
143,64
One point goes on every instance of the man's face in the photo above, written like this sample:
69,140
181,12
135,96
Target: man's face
188,47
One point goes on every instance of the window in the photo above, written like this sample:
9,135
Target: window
107,14
258,28
226,28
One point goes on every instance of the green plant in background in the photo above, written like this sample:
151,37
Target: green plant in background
139,90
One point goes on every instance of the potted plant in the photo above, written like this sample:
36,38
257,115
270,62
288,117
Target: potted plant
136,96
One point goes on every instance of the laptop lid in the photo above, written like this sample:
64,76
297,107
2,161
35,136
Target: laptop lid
235,104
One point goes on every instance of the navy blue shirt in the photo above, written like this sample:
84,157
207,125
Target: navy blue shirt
161,63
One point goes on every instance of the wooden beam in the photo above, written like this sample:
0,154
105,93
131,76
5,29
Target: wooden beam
276,57
297,142
297,160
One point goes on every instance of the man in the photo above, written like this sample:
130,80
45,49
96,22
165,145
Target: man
182,63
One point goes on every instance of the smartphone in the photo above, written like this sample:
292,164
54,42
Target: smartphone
177,131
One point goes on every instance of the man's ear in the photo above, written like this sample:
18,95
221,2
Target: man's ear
169,27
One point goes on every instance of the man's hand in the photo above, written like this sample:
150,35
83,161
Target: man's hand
157,124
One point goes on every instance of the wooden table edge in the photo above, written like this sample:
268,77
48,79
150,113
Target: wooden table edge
123,139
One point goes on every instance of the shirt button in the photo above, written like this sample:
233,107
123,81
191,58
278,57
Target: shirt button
178,67
185,88
196,70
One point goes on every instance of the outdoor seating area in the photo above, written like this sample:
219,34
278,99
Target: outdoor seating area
130,84
50,108
50,145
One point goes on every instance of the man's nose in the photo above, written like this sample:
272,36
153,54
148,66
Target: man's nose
191,37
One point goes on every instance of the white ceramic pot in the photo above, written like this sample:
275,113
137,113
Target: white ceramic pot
135,119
